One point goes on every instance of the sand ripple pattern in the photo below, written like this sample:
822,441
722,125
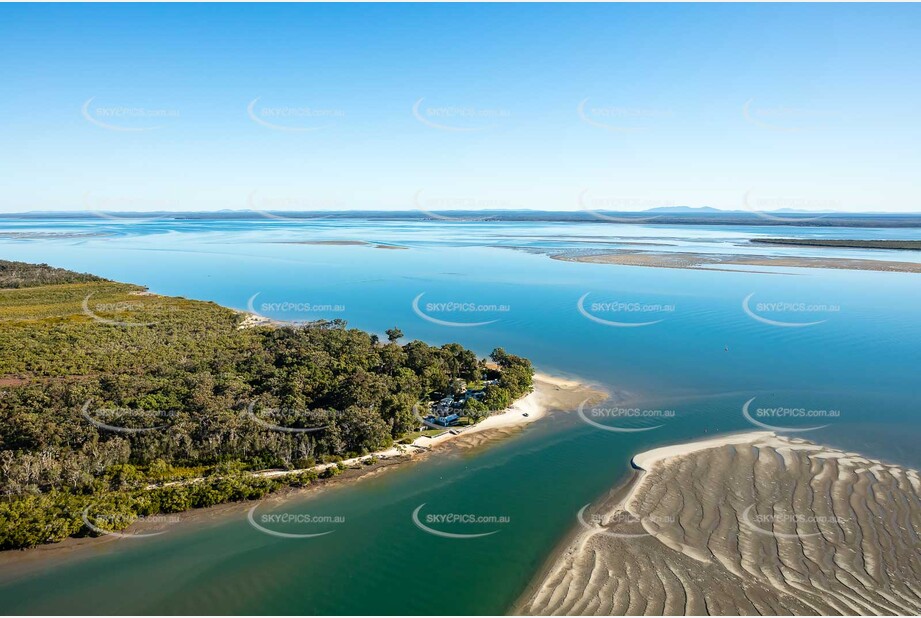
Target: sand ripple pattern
765,525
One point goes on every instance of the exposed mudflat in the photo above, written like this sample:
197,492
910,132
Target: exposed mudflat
700,261
748,524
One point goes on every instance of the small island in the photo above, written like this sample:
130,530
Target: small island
115,400
901,245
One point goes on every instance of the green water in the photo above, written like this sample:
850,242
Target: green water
704,362
376,562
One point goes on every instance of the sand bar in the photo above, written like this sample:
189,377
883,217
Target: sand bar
745,524
701,261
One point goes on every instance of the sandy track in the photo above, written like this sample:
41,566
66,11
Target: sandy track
750,524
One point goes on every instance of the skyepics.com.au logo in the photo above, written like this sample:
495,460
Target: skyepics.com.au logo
620,524
786,208
601,207
761,415
276,206
627,312
295,309
431,419
436,207
127,208
790,310
797,524
286,420
458,118
292,119
454,525
110,524
127,420
787,119
115,313
619,118
445,414
126,118
293,525
458,308
613,418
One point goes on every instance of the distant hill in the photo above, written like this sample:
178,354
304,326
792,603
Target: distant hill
803,212
667,215
683,210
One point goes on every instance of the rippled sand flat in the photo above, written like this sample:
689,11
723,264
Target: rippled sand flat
748,524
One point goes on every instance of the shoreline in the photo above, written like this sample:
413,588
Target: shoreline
703,527
536,404
539,403
645,460
18,563
551,560
843,243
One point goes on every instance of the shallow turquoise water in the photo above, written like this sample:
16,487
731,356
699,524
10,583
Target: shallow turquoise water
703,360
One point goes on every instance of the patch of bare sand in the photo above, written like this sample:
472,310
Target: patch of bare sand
252,321
331,243
550,394
746,524
341,243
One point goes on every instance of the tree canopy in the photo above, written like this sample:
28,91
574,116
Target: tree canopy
105,389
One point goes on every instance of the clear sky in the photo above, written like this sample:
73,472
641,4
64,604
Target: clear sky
317,107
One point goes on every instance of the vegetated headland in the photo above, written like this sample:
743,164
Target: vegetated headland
117,404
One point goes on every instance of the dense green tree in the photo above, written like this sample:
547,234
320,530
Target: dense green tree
96,413
475,410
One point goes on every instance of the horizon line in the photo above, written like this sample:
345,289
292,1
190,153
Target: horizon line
667,210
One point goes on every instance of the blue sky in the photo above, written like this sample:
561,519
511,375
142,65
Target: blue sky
562,107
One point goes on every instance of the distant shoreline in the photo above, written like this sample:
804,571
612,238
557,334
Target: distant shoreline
551,393
689,216
900,245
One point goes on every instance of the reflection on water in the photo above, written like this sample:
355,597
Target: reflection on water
701,355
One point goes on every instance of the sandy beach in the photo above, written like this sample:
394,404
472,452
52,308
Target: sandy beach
551,393
647,460
745,524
